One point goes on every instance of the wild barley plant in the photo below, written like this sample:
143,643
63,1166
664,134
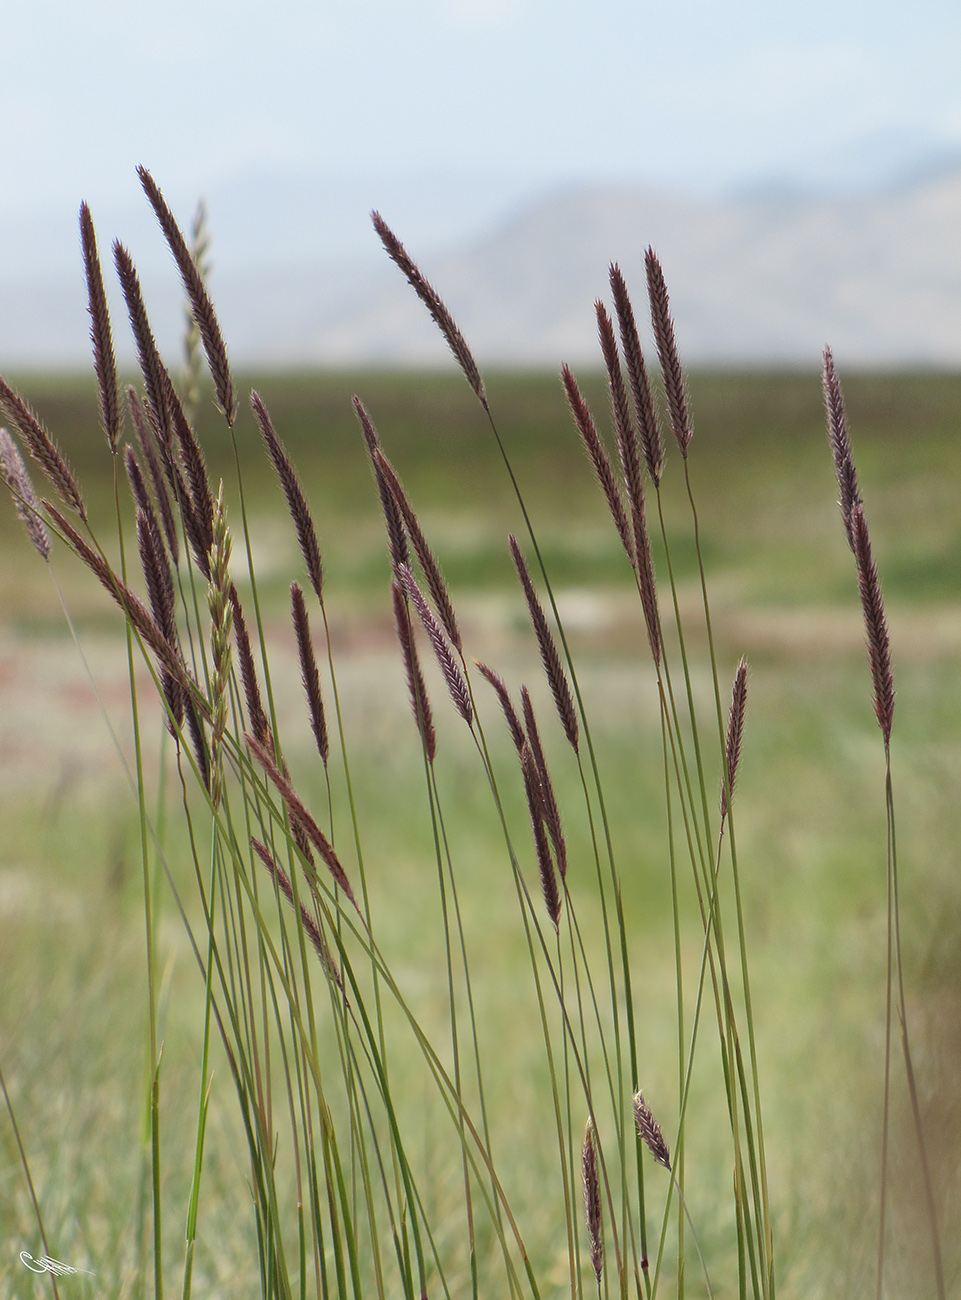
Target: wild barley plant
299,987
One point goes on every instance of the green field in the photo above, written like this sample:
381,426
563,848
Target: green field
810,810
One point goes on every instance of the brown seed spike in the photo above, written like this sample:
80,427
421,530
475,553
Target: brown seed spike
396,537
309,673
872,604
545,864
592,1201
296,500
849,496
100,336
200,304
301,816
599,459
311,928
510,713
14,474
419,702
649,1129
552,816
248,673
199,519
650,434
549,656
134,608
147,355
735,731
425,556
453,677
432,301
152,452
43,449
667,353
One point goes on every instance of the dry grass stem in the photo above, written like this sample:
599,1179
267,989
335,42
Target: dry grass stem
453,677
650,1131
848,495
556,677
309,673
644,410
667,353
603,470
872,604
14,474
735,731
425,556
296,500
419,702
431,300
510,713
200,304
100,335
592,1201
43,449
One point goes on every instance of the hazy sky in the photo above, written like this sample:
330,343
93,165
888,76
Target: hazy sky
692,93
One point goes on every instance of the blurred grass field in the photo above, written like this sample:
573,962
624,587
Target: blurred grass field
810,815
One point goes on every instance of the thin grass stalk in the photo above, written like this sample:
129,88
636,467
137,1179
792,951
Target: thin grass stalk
674,386
521,745
532,929
929,1197
25,1165
442,317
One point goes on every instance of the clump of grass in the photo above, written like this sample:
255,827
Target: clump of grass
317,1023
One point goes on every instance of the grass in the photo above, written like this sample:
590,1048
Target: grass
810,834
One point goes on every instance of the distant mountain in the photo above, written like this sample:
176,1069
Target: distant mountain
766,277
760,279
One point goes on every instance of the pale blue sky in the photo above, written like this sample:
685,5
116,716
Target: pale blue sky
690,93
295,117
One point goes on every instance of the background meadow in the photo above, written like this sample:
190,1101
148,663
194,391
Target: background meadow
810,807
